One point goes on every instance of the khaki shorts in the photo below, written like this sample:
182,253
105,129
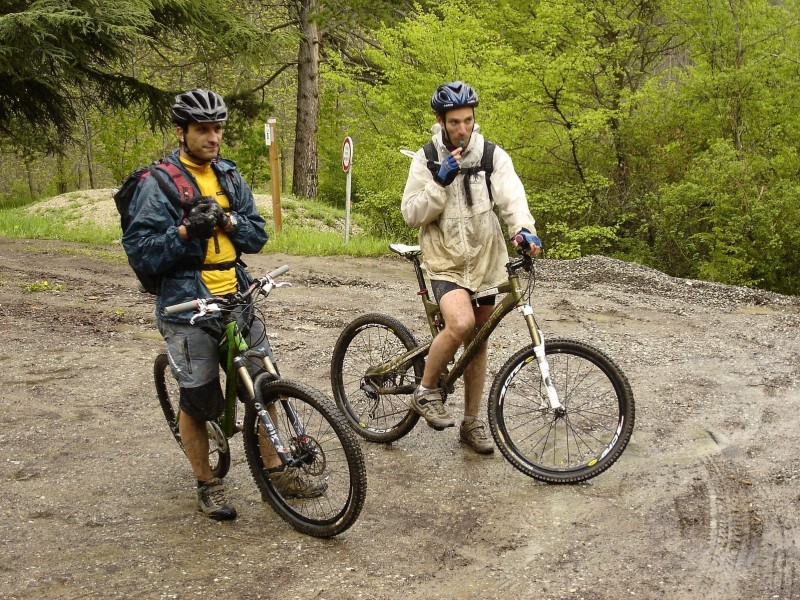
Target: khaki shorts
194,359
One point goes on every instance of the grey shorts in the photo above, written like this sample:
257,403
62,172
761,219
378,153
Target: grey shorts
194,358
440,287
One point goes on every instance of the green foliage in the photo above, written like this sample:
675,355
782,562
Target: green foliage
43,286
725,222
250,153
123,143
51,49
661,131
565,214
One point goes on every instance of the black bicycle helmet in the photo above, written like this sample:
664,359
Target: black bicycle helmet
453,95
199,106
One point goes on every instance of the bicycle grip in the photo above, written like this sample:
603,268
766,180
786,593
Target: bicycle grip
279,271
182,307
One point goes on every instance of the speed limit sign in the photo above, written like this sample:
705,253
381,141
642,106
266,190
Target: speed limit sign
347,154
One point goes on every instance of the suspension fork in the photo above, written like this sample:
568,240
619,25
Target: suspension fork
264,353
541,358
284,452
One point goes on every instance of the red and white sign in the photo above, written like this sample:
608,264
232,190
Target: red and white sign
347,154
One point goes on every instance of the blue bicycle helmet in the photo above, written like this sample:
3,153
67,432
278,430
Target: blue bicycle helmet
453,95
199,106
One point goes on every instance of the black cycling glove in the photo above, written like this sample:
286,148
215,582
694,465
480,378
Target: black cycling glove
201,221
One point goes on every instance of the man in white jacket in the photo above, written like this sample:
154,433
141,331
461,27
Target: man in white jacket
463,246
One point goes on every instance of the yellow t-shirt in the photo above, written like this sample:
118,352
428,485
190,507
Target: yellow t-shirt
220,247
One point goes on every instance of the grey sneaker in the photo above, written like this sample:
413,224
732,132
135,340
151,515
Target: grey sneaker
212,501
473,434
429,406
292,483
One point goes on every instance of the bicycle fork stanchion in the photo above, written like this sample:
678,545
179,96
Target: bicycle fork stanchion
541,358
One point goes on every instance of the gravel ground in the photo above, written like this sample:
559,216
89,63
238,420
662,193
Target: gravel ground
97,500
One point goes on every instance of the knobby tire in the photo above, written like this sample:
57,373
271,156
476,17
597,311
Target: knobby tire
219,456
329,450
582,442
378,410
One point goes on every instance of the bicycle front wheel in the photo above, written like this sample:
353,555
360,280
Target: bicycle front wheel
377,407
169,393
323,493
571,444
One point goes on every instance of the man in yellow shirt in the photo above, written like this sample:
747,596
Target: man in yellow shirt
196,255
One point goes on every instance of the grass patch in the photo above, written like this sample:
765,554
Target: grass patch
308,242
43,286
57,225
310,227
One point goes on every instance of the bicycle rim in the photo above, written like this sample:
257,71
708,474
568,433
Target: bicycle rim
378,409
572,445
168,391
327,452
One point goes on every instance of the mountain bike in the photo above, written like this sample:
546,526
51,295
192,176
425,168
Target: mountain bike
286,424
560,412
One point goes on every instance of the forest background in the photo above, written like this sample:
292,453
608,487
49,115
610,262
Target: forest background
663,132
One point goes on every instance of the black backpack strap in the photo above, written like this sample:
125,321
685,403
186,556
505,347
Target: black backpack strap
487,164
432,156
224,266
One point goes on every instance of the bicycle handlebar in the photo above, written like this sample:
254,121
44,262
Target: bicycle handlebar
278,272
200,305
182,307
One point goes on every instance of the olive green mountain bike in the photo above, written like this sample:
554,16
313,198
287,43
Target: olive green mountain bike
560,412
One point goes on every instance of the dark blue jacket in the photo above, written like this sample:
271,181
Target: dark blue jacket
154,246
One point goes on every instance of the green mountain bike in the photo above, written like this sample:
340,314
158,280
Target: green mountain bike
286,424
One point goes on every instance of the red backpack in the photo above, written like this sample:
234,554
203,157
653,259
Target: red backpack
178,192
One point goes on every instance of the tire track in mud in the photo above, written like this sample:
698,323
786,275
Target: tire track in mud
747,554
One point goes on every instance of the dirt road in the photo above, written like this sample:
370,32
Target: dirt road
97,500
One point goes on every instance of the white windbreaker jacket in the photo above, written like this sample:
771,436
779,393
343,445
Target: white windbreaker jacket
460,243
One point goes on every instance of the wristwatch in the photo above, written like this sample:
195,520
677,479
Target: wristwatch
233,222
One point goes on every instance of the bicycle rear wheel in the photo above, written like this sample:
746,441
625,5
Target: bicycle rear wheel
570,445
219,453
327,455
378,408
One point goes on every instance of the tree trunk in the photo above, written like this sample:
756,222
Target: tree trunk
87,133
29,173
737,108
304,174
61,176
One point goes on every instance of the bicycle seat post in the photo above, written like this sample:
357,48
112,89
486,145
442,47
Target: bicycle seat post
431,307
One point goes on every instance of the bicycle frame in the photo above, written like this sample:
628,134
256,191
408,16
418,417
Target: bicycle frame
513,299
232,353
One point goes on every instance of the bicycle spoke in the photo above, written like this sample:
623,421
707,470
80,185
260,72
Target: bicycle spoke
376,405
551,444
